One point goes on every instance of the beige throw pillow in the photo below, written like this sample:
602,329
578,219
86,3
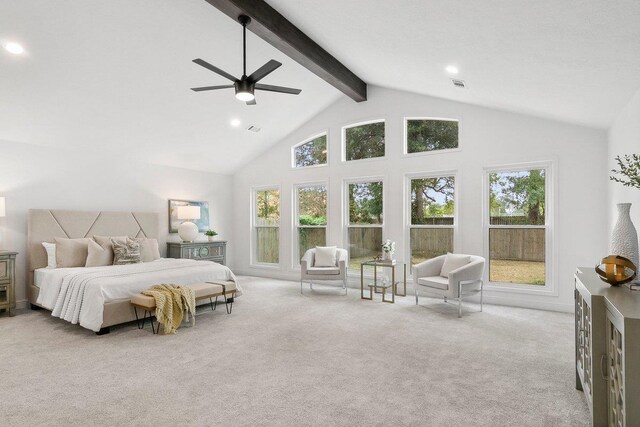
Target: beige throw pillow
99,256
325,256
125,253
149,249
105,242
453,262
71,252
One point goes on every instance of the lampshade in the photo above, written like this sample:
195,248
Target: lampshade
3,211
188,212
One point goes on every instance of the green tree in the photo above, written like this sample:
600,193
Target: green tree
311,153
365,203
365,141
431,197
520,193
268,206
428,135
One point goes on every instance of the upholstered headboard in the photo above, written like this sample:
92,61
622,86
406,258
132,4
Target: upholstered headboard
44,224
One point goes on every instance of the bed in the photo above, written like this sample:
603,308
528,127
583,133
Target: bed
99,297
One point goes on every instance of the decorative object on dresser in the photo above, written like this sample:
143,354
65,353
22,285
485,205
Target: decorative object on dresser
174,222
210,234
188,231
624,237
607,327
8,281
617,270
204,251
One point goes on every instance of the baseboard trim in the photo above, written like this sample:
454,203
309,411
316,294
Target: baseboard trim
490,298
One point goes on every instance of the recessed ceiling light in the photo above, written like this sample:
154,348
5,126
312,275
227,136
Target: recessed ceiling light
452,69
14,48
235,123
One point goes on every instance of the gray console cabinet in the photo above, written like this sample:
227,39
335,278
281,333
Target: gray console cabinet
607,336
204,251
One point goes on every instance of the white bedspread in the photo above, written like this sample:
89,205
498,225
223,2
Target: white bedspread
78,294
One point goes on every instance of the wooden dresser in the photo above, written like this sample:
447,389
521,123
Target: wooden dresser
8,281
206,251
607,334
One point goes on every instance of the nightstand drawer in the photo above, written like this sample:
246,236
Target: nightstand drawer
5,269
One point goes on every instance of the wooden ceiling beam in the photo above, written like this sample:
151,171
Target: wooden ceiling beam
271,26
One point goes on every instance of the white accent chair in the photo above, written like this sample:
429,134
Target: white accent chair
427,275
310,273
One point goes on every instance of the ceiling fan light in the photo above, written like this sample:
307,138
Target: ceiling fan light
245,96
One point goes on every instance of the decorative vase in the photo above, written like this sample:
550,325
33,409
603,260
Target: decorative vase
624,238
210,238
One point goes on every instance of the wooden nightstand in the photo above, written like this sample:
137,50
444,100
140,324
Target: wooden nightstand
8,281
205,251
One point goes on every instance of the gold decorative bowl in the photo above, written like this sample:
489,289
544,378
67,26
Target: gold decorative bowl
616,270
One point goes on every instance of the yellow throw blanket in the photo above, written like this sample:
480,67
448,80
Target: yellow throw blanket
171,303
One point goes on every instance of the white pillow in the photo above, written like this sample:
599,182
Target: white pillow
325,256
453,262
51,254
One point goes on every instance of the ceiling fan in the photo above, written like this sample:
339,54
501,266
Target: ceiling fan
246,85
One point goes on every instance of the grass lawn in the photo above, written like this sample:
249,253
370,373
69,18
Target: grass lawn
508,271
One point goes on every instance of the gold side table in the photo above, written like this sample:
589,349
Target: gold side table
375,286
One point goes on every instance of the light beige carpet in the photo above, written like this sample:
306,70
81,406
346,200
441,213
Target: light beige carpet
282,358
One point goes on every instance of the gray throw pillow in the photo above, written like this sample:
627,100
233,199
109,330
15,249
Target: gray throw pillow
125,253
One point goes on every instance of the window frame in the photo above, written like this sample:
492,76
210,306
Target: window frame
343,138
295,261
405,142
550,287
407,210
324,133
345,213
253,241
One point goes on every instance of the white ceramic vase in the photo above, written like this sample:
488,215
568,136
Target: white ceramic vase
624,238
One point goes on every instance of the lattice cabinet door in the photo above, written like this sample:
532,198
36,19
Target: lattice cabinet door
615,367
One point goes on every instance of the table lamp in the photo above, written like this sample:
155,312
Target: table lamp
188,231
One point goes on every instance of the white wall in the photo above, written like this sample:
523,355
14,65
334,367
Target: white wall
488,137
44,178
624,138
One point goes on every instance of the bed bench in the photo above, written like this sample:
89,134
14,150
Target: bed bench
208,290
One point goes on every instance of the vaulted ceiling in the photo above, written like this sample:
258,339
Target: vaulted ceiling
114,76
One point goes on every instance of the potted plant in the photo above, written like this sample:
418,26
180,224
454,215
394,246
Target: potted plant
624,238
210,234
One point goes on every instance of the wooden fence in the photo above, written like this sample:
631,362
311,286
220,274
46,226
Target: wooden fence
505,243
522,244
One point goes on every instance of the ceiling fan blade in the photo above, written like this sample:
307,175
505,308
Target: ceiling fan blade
263,71
200,89
216,70
252,102
280,89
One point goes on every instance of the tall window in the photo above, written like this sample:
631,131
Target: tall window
365,220
518,226
424,135
311,217
364,141
310,153
432,224
267,226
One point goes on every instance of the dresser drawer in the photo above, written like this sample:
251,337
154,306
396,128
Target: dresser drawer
6,269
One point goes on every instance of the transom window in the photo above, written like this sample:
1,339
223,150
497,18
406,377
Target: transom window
364,141
365,210
311,218
518,226
311,152
267,226
433,220
425,135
